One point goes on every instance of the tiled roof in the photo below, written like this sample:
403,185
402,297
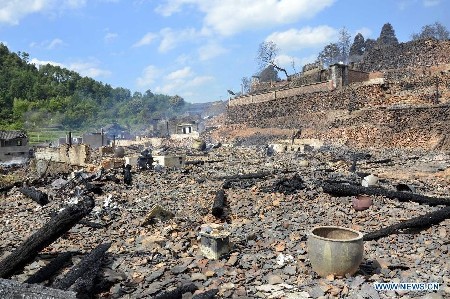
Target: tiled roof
9,135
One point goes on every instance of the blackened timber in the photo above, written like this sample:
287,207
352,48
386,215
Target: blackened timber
352,190
249,176
50,232
420,222
83,266
50,269
84,285
178,292
10,289
219,204
36,195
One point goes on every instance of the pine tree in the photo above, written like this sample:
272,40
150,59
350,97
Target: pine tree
387,36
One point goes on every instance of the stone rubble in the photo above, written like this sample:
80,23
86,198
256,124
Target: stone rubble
268,219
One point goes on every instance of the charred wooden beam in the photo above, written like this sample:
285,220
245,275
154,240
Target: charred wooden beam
420,222
82,267
50,269
352,190
237,177
10,289
219,204
45,236
178,292
37,195
84,285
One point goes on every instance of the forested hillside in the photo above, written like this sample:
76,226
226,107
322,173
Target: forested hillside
50,96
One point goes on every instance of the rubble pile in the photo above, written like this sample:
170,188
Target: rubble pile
152,228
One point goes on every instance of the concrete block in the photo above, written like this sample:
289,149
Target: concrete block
132,160
214,241
169,161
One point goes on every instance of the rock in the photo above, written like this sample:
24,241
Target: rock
274,279
198,276
290,270
433,296
178,269
297,295
267,288
316,292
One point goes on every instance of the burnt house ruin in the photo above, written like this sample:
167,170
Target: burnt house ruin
13,144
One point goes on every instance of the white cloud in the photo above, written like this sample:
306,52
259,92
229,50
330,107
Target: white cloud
180,74
307,37
285,61
49,45
12,11
84,68
184,81
110,37
233,16
210,51
170,38
145,40
148,77
429,3
38,62
55,43
89,69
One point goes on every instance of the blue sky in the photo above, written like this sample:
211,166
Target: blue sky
197,49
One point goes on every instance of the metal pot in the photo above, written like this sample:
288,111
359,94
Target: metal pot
335,250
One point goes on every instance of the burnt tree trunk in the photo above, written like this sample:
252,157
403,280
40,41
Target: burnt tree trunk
49,270
419,222
219,204
351,190
84,285
45,236
36,195
84,266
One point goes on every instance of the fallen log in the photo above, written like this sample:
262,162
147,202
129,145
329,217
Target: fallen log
420,222
352,190
178,292
237,177
37,195
82,267
84,285
50,269
45,236
10,289
219,204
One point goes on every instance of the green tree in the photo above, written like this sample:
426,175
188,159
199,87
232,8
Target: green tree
387,36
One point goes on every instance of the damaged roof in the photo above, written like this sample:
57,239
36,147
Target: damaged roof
9,135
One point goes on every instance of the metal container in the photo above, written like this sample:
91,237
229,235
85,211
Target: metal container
335,250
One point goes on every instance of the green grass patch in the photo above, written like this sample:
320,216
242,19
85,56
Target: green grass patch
35,137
